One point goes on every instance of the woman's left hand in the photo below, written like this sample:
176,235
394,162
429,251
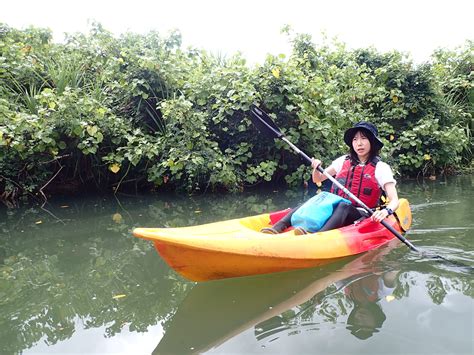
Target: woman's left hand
380,215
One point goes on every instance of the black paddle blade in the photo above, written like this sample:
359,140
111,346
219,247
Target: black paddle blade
264,123
465,268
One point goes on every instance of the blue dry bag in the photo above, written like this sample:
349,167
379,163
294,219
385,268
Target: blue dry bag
316,211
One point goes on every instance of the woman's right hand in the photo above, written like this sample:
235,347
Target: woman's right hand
315,163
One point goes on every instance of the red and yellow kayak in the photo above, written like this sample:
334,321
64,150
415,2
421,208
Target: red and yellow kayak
236,247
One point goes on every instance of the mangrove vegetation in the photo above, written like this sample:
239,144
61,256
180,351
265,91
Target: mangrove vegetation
113,113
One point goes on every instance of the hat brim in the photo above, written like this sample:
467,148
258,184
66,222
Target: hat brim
350,133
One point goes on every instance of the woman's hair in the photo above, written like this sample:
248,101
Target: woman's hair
373,147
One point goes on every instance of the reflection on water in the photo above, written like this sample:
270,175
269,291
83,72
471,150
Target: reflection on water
349,298
214,312
72,278
367,316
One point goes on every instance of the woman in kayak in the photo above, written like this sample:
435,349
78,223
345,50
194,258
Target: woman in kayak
362,173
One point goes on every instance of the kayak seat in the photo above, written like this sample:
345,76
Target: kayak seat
276,216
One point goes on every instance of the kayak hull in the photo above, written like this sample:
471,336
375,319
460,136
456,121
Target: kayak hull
236,248
219,265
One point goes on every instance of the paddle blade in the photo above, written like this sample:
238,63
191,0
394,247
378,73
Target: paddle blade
264,123
403,214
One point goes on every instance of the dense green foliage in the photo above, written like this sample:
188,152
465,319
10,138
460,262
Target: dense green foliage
139,111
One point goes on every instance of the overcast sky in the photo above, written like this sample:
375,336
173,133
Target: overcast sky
253,26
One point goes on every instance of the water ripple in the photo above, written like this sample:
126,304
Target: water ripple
440,229
430,204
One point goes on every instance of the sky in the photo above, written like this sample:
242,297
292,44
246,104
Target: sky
252,27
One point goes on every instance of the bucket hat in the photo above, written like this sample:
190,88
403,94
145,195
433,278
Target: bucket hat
368,128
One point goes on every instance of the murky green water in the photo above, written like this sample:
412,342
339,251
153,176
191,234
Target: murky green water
74,280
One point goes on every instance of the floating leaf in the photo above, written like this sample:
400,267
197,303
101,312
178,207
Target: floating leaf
117,217
395,99
427,157
38,222
197,211
114,168
392,137
116,297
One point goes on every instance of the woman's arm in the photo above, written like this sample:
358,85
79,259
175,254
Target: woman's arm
317,176
392,195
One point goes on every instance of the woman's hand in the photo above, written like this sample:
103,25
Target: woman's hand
392,195
318,177
315,163
380,215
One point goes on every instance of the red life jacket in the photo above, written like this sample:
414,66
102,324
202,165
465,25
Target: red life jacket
360,180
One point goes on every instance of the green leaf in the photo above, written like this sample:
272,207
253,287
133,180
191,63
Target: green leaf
99,137
77,130
92,130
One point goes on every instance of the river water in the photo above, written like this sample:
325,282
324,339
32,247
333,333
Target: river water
74,280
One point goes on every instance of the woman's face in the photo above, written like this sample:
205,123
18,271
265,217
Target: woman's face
361,145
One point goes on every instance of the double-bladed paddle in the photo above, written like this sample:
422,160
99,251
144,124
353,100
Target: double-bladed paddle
266,125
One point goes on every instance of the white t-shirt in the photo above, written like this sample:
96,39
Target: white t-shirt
383,172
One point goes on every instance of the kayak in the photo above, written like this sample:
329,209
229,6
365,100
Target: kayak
235,248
